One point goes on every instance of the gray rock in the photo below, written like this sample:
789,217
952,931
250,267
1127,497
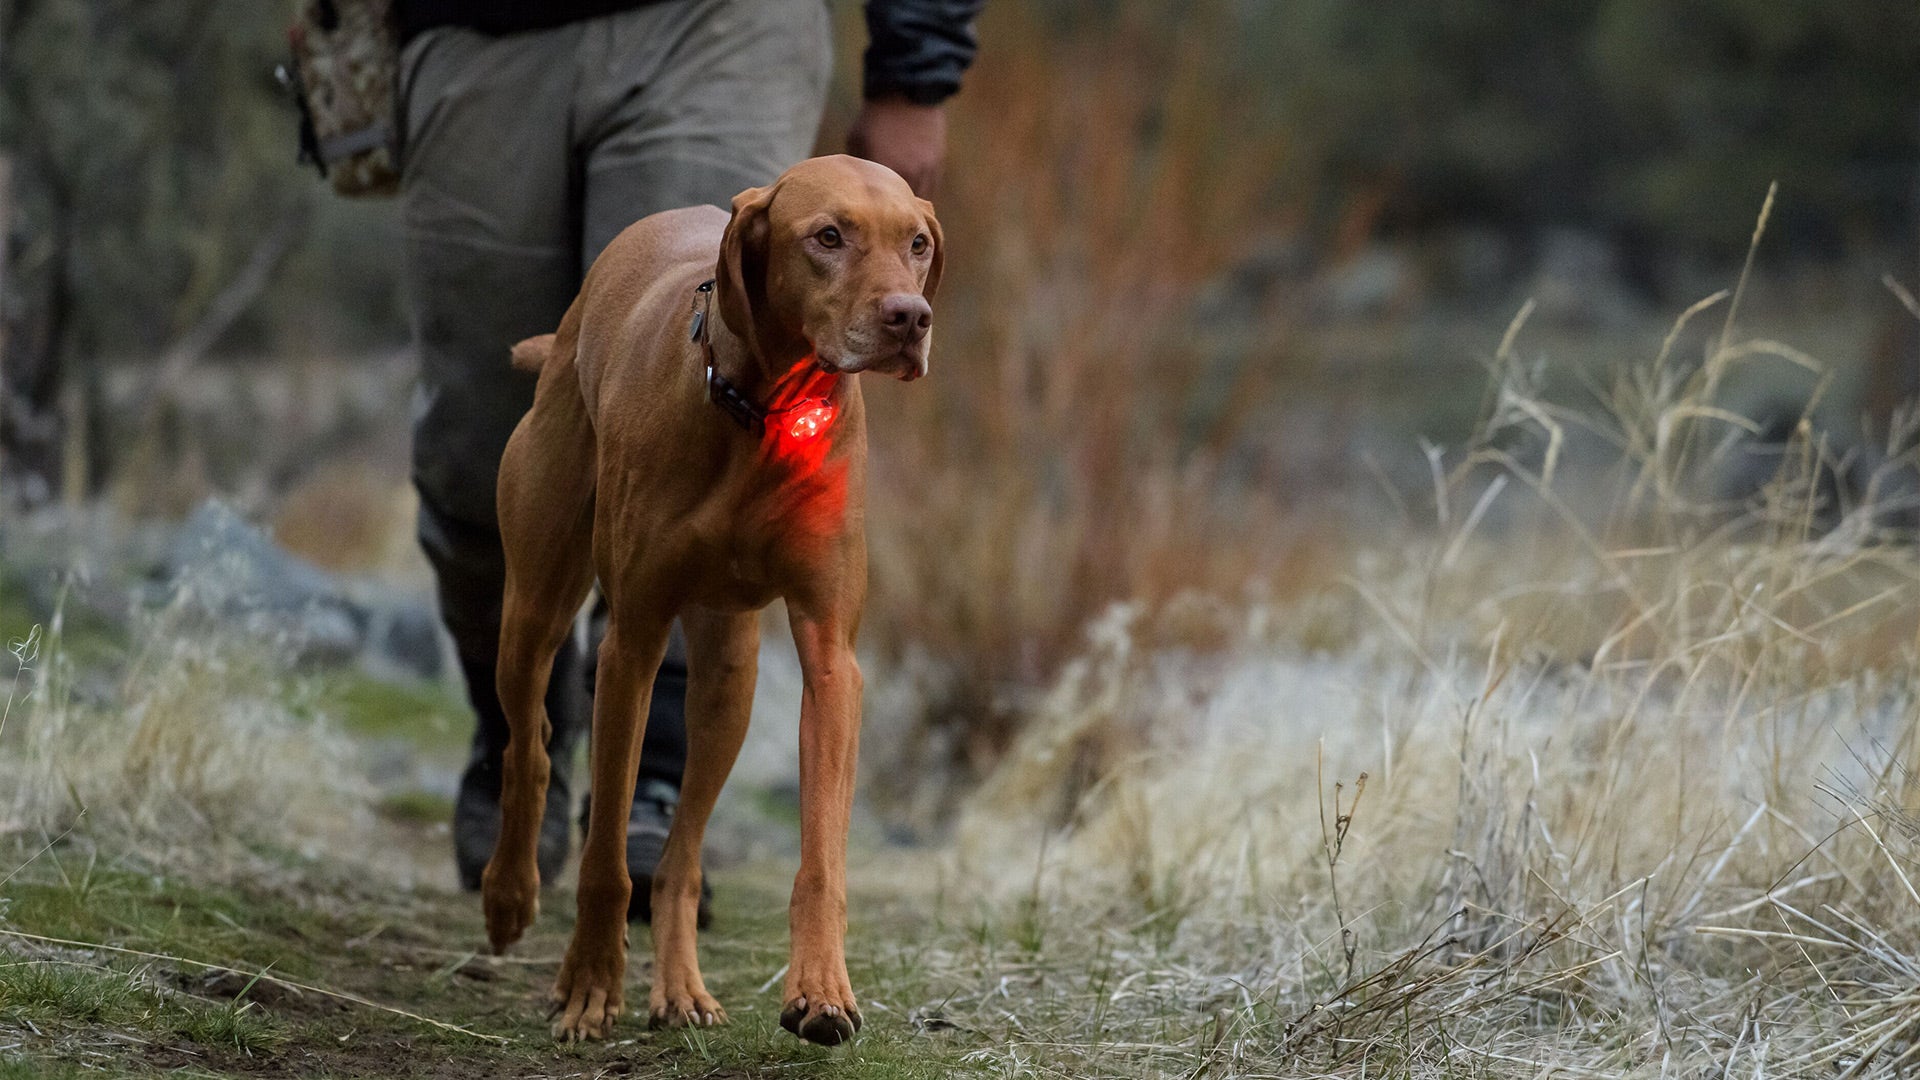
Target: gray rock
234,569
405,640
1241,295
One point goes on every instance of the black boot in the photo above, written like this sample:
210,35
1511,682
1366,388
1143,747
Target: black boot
654,802
476,809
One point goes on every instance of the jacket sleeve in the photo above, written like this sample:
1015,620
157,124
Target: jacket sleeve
919,48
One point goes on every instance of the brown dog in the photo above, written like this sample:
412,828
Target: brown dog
701,463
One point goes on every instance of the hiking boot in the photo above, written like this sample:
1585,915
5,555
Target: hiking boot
476,806
476,821
654,802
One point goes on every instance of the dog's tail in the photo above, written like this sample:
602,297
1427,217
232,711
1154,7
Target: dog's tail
531,354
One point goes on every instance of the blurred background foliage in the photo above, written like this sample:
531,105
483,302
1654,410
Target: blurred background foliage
1197,247
152,147
1661,119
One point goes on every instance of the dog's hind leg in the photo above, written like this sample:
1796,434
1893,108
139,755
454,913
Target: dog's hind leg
546,522
723,652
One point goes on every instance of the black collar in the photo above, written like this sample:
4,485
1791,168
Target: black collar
721,392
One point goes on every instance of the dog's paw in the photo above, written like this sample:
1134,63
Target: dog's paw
698,1009
585,1000
511,900
822,1021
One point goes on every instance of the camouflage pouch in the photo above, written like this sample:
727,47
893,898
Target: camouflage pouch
346,57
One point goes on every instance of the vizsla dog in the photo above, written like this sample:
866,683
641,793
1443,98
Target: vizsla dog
698,444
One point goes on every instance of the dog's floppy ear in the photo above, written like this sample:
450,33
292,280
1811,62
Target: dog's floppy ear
740,281
939,251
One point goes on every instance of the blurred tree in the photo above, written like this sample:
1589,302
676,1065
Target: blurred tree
1717,98
150,161
153,159
1661,118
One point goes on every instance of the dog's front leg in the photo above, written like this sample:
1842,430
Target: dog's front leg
589,993
819,1005
723,653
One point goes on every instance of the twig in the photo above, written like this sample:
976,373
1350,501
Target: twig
1332,841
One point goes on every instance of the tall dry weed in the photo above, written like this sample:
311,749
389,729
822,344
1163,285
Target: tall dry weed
1083,439
201,744
1638,761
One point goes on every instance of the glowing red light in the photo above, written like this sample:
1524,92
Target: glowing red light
810,421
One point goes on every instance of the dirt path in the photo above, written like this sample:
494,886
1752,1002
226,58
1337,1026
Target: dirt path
353,979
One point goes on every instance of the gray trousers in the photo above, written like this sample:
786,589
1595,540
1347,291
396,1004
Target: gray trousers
523,155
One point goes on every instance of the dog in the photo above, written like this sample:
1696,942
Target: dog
697,443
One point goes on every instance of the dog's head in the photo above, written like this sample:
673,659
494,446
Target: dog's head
836,260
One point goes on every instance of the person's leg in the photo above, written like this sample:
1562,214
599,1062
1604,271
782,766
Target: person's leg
690,102
731,102
490,210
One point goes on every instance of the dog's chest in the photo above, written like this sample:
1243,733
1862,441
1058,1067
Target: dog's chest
768,543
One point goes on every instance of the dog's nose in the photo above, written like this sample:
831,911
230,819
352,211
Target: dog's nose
907,314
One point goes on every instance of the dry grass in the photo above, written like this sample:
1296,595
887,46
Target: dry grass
1637,763
200,743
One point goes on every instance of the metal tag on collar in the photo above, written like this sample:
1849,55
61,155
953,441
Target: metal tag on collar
699,310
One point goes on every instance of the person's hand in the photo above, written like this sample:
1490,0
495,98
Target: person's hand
907,138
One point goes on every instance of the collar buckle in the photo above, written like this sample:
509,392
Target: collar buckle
731,401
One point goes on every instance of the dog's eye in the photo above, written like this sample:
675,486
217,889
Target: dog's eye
920,244
829,237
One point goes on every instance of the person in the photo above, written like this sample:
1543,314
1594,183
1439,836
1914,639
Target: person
531,133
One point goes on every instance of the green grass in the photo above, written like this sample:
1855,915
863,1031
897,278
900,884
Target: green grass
87,638
66,999
50,990
413,952
16,616
239,1025
80,899
16,1066
433,717
417,807
934,990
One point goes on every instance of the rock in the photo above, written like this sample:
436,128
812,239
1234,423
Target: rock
234,569
406,640
226,983
217,551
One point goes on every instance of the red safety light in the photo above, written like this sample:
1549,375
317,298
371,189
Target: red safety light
809,421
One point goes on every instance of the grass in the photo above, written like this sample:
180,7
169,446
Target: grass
414,953
1593,771
1088,437
417,807
431,717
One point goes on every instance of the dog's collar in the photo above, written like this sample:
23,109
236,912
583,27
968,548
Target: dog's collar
720,391
810,416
